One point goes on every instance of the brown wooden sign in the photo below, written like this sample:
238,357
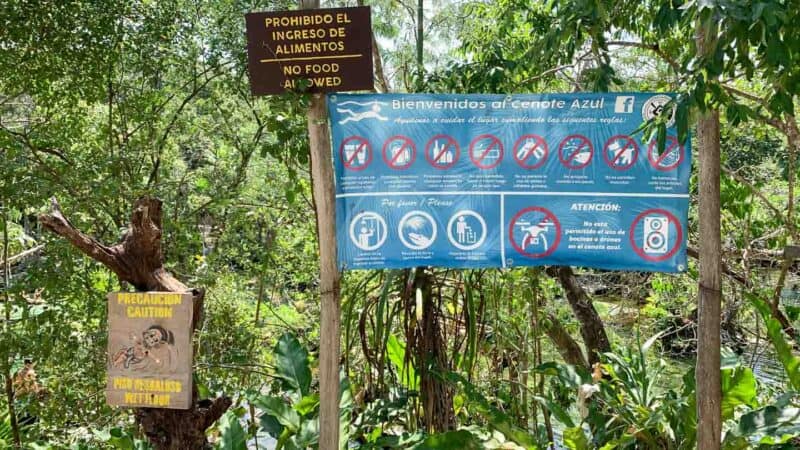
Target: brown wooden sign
329,48
150,350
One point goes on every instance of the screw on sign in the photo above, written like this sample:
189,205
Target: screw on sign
442,151
534,232
661,235
620,152
670,159
399,152
486,151
355,153
575,151
530,151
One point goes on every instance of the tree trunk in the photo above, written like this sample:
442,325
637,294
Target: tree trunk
435,393
709,390
138,260
566,346
592,329
707,372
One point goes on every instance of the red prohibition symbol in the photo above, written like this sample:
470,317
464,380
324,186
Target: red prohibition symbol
399,152
666,161
356,153
620,152
575,151
658,235
486,151
533,230
530,151
442,151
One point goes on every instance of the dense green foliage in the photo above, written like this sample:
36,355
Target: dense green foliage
104,101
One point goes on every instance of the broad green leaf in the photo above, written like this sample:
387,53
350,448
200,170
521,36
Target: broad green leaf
345,410
738,388
282,413
565,372
729,359
497,419
575,439
307,404
783,349
770,421
452,440
557,411
291,364
116,437
231,434
308,435
396,351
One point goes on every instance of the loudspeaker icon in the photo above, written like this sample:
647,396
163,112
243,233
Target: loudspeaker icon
656,235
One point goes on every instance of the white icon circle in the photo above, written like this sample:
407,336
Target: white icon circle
654,106
416,220
367,230
461,240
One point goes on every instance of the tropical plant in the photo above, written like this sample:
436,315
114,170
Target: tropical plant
623,405
293,417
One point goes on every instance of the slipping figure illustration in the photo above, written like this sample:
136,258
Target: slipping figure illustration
154,352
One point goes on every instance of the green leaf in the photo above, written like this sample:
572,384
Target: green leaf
738,388
308,435
649,343
276,408
575,439
769,421
231,433
565,372
497,419
452,440
396,352
556,410
291,364
307,404
345,410
783,349
116,437
729,359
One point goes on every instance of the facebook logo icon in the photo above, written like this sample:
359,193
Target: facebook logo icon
624,104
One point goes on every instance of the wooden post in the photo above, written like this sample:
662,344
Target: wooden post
319,141
324,203
707,372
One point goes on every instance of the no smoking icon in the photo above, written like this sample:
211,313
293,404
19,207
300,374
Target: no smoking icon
486,151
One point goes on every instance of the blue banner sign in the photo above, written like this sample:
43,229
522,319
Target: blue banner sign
471,181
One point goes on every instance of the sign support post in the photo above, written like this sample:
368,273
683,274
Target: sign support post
319,141
709,304
328,50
